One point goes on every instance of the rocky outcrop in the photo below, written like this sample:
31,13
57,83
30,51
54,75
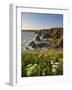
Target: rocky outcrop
49,38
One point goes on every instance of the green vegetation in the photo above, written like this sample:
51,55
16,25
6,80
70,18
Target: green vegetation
42,63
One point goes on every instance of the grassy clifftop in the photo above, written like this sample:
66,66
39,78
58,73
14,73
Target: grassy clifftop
48,63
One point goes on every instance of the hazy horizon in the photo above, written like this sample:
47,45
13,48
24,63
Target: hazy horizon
42,28
38,21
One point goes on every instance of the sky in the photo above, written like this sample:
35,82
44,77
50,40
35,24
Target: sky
36,21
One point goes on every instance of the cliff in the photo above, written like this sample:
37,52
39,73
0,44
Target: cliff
49,38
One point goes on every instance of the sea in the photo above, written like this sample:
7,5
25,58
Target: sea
26,38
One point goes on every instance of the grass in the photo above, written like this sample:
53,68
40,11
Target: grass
42,63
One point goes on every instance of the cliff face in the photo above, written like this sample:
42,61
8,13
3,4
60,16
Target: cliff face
49,38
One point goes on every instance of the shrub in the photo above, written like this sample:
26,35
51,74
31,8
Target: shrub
42,63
